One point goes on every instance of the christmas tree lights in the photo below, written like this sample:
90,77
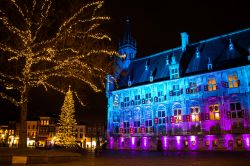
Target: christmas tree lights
65,136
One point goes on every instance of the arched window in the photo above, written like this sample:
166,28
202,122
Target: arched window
195,111
161,112
148,119
177,113
137,119
214,112
126,125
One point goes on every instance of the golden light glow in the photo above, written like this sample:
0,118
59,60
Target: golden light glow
67,53
67,123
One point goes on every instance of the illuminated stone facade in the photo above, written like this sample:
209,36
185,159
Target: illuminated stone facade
194,97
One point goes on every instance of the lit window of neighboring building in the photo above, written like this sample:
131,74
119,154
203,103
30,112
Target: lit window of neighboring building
212,84
177,115
195,114
214,112
236,111
233,81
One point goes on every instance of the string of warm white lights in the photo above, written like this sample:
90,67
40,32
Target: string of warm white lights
61,55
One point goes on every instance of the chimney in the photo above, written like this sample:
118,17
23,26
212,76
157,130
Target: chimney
184,41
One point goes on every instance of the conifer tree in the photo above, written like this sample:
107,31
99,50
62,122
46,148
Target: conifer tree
67,122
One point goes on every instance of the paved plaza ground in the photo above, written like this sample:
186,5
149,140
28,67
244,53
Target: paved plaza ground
142,158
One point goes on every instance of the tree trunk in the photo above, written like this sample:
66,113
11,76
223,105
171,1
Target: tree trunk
23,121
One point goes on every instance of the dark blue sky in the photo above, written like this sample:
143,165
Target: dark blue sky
156,25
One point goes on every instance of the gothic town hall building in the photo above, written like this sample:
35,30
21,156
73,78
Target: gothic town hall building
193,97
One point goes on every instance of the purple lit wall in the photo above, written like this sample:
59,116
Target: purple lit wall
246,140
229,141
132,142
111,142
145,142
193,142
178,144
165,143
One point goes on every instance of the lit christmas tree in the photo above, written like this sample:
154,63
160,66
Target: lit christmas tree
67,123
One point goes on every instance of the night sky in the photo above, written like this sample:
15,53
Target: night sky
156,25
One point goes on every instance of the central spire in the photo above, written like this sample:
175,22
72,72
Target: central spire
127,35
127,40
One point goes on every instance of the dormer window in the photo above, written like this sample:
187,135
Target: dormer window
209,65
167,60
174,69
174,73
129,82
173,61
146,66
231,45
197,53
151,78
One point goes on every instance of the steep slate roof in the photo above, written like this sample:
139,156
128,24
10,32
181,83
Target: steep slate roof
217,49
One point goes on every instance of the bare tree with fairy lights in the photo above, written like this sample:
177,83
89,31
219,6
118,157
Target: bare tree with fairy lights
45,42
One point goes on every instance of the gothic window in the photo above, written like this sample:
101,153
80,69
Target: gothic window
126,101
160,96
212,84
148,95
161,116
236,111
148,123
126,127
148,98
137,100
233,80
195,113
192,87
137,118
214,112
137,126
148,119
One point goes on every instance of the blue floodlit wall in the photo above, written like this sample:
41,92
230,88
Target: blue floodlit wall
207,110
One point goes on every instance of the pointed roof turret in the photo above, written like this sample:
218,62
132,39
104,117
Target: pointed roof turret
127,37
